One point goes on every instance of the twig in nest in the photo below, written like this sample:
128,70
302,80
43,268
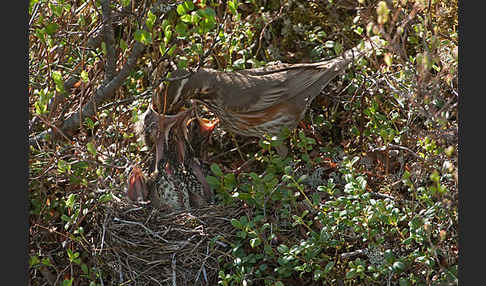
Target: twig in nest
174,276
142,225
203,269
103,234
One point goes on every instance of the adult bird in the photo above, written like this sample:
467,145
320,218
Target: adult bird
254,102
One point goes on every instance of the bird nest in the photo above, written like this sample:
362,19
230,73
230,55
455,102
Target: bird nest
144,246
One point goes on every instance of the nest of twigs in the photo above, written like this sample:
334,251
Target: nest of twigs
144,246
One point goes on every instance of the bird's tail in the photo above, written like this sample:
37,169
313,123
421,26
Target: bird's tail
365,48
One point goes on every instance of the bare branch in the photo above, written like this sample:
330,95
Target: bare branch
110,66
348,255
105,92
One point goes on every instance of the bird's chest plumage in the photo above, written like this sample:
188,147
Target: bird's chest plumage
174,188
171,191
256,123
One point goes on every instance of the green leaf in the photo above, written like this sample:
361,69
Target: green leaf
63,166
329,267
351,273
338,48
241,234
236,223
91,148
404,282
103,47
34,260
213,181
255,242
243,196
56,9
40,108
172,50
398,266
58,81
388,59
188,5
105,198
263,267
216,170
318,273
268,249
123,45
67,282
186,18
51,28
244,220
84,76
282,248
65,218
89,123
85,269
207,12
232,6
125,3
435,177
383,12
195,18
329,44
180,9
71,200
143,37
150,20
229,179
181,29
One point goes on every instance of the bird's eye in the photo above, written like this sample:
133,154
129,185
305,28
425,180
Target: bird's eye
205,90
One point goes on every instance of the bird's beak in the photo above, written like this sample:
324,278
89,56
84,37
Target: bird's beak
137,187
207,126
166,123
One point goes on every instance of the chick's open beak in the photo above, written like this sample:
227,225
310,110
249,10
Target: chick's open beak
165,124
137,188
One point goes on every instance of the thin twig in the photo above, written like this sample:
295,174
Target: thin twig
352,254
103,234
143,226
264,27
174,277
397,147
146,93
36,8
231,150
104,92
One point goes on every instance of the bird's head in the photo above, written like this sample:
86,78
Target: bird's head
177,91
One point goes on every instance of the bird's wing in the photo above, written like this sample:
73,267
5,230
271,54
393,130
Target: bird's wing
258,89
249,93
